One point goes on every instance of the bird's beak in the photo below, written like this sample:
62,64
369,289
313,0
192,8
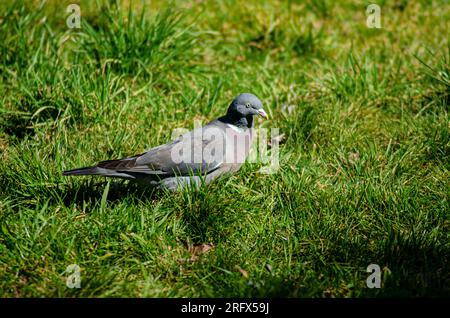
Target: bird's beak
262,113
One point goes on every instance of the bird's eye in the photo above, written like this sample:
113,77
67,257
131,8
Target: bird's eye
247,105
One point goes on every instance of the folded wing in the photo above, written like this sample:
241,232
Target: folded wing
182,157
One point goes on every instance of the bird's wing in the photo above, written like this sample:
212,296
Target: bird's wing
183,156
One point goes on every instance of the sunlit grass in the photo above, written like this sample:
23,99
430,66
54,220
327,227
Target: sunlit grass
363,168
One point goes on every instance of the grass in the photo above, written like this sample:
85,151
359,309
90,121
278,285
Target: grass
364,165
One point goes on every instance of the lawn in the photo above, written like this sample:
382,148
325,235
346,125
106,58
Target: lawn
364,154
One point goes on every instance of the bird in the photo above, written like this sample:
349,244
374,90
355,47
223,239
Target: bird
198,156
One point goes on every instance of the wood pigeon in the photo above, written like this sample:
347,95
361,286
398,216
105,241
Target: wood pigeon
207,152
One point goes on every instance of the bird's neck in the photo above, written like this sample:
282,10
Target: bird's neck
238,121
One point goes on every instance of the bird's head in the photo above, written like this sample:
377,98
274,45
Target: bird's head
246,105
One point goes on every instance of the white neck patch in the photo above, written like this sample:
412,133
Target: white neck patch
235,128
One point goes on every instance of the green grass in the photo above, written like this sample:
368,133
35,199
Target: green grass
364,165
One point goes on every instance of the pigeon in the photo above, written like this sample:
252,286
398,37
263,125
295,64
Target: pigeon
198,156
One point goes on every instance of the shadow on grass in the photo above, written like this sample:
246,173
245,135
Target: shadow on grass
201,208
91,192
412,264
418,266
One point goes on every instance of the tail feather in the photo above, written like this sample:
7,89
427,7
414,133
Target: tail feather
98,171
81,171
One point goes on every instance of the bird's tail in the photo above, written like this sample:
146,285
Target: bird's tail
98,171
82,171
